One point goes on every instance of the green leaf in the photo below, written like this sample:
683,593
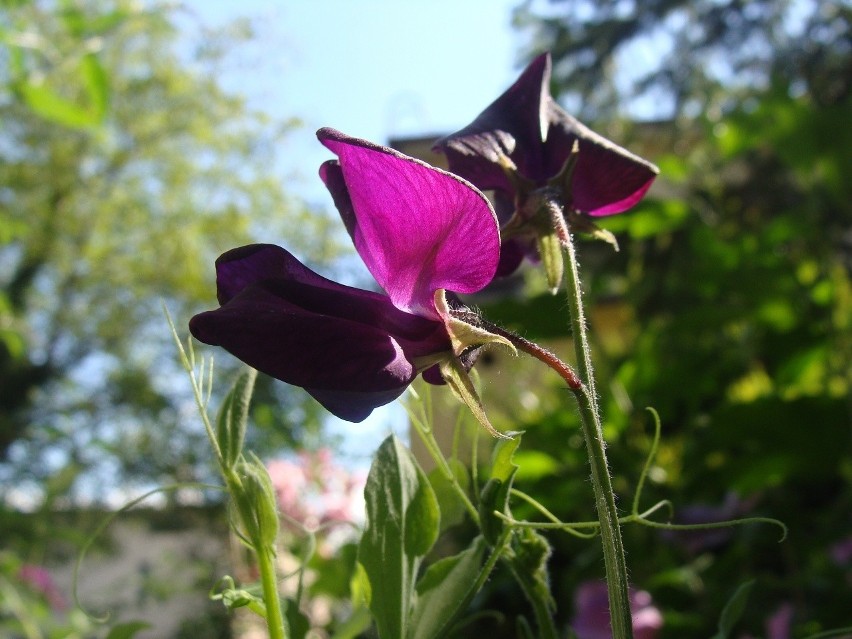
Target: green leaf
233,417
534,465
127,630
403,522
52,106
452,509
355,626
297,621
733,610
97,85
445,591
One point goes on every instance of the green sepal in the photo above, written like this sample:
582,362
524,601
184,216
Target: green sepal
233,417
462,334
584,224
523,629
458,380
563,182
260,501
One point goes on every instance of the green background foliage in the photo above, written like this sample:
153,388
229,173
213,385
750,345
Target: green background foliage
732,304
127,168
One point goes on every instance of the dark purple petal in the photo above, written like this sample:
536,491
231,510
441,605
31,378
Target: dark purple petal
240,267
433,376
417,228
514,125
529,127
301,347
332,176
354,406
512,253
608,179
352,349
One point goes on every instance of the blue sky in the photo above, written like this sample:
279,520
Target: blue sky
371,68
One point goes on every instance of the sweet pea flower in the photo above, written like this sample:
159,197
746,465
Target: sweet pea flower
591,613
419,230
524,146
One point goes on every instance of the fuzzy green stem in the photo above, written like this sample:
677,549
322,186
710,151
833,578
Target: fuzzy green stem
265,558
269,583
614,561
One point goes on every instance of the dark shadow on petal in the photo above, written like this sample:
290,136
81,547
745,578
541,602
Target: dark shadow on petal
332,176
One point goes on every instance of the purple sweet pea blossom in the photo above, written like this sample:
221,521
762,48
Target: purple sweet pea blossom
522,143
418,229
591,613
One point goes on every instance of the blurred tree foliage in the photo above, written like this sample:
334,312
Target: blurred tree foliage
690,56
732,298
126,168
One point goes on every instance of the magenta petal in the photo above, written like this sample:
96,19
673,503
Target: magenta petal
417,228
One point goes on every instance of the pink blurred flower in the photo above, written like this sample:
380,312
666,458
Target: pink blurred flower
841,552
39,579
591,613
778,625
313,490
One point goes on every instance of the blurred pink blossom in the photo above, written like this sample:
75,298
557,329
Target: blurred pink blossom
591,613
698,541
778,625
314,490
841,552
39,579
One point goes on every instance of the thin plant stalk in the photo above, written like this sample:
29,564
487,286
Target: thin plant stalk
615,564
